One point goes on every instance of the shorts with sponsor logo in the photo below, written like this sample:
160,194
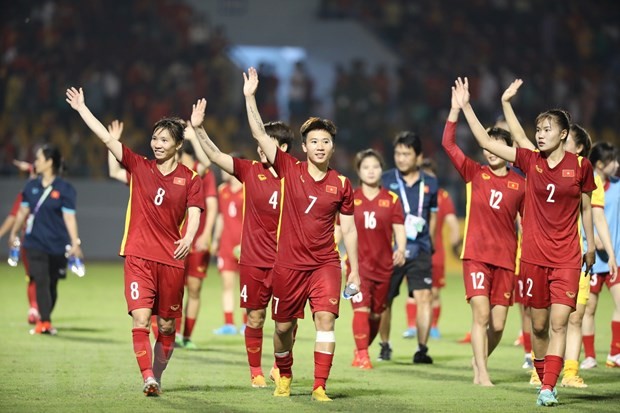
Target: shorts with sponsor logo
255,286
597,281
293,288
373,294
228,259
482,279
543,286
439,276
418,273
151,284
196,264
584,289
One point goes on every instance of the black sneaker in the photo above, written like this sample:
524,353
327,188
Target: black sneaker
386,352
421,357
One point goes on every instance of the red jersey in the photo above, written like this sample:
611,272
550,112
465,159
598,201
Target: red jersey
493,203
445,207
308,215
374,219
157,208
209,189
552,207
260,214
231,208
16,205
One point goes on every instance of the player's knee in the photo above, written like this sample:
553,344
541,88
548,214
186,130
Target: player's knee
256,318
284,329
540,330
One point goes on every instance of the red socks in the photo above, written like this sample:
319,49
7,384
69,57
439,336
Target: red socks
553,367
188,327
254,348
142,350
284,362
436,314
374,330
588,346
412,312
177,325
322,366
163,351
527,343
228,318
32,294
154,326
361,329
615,338
539,365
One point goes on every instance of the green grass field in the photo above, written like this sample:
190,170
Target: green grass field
90,365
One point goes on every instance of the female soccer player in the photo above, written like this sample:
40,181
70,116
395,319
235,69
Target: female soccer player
578,142
495,197
48,209
261,203
307,266
558,183
379,220
604,157
163,194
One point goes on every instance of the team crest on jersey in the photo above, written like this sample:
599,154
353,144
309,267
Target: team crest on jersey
331,189
568,173
384,203
486,176
178,181
357,202
538,169
262,177
55,194
513,185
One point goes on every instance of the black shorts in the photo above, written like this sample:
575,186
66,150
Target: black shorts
418,272
47,265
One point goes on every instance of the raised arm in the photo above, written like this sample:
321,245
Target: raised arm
461,89
267,145
75,98
196,133
516,130
448,140
115,170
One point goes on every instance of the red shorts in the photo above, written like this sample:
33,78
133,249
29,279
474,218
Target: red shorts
439,276
227,260
196,264
292,288
488,280
518,293
544,286
373,294
150,284
255,287
597,281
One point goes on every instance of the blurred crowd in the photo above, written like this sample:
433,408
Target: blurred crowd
156,53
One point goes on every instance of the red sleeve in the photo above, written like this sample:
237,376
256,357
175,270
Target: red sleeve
523,158
16,204
448,205
587,176
130,160
466,167
398,216
346,208
195,195
209,186
241,168
283,162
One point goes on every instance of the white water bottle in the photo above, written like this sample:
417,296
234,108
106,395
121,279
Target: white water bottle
75,264
14,253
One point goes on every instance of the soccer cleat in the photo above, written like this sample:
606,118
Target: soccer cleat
466,339
356,359
178,341
546,398
434,333
588,363
33,315
242,330
573,381
411,332
420,357
534,379
319,395
283,388
527,362
226,330
189,344
43,327
519,341
364,363
259,381
613,361
151,387
386,352
274,375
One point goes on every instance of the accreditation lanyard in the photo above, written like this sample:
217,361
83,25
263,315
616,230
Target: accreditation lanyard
30,220
403,194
